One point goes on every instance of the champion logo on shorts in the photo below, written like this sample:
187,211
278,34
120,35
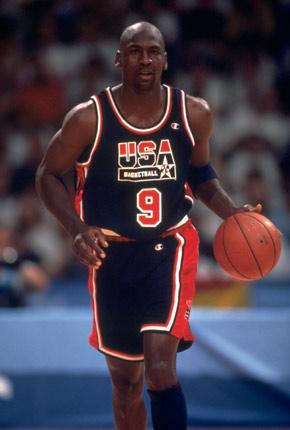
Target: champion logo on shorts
159,247
175,126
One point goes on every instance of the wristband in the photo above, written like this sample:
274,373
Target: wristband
198,175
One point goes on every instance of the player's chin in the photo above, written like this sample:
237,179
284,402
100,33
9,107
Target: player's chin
145,81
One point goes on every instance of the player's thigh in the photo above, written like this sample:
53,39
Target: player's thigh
126,376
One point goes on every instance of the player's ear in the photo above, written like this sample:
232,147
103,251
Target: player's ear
165,67
118,59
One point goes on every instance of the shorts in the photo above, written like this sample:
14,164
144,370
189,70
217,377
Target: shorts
144,286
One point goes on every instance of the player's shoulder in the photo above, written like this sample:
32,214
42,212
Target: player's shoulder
198,106
199,113
79,124
81,114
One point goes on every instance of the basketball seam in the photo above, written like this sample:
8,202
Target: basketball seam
257,262
227,255
274,246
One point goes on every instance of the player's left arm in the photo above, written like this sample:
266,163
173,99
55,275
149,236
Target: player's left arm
203,179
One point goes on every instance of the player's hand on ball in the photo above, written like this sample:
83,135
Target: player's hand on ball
89,246
249,208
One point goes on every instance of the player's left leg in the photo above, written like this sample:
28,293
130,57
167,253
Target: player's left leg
168,407
127,386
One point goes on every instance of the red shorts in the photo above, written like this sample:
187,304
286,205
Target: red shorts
144,286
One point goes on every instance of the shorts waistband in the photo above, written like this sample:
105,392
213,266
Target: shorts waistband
112,236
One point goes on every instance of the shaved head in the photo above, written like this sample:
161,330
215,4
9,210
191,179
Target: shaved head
140,28
141,56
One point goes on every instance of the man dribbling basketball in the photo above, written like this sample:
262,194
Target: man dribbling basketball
135,148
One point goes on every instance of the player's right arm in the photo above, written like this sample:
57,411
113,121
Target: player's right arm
64,149
209,191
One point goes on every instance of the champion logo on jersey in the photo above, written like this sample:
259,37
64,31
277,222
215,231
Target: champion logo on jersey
175,126
159,247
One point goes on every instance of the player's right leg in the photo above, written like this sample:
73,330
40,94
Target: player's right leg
127,387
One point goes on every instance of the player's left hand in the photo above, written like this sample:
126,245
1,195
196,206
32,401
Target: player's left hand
249,208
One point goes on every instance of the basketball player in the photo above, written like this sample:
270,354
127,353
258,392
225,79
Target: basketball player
137,149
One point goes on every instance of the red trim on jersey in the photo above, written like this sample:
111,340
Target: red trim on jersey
81,173
185,119
95,337
98,132
136,130
188,193
83,168
173,231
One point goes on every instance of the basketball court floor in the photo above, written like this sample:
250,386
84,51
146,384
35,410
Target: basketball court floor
262,427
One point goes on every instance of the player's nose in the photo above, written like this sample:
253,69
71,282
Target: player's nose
145,58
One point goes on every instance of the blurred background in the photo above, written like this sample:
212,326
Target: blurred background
55,54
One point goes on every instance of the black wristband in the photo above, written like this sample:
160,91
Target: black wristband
198,175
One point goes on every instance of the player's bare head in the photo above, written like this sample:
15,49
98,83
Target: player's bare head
141,46
140,30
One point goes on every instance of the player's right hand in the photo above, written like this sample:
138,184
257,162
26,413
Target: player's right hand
88,246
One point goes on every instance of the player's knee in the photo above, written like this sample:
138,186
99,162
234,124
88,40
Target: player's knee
127,388
160,375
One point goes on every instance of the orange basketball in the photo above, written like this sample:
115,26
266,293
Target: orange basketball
247,246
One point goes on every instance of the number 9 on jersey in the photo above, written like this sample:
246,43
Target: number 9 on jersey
149,203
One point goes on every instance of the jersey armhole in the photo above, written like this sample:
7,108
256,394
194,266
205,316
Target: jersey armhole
184,115
92,148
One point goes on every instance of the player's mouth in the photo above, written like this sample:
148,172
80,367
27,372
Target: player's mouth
145,74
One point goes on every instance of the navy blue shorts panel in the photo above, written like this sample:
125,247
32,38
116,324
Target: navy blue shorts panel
140,287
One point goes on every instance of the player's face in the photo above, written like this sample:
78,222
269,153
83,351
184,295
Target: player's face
142,60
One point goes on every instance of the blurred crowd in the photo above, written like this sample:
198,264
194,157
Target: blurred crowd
57,53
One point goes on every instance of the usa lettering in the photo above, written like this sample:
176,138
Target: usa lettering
144,153
146,161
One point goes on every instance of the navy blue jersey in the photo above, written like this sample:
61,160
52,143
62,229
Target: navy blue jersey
133,180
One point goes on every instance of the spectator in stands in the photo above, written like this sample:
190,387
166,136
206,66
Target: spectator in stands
254,153
234,54
20,271
41,234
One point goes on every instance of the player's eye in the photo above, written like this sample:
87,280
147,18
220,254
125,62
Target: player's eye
155,51
134,51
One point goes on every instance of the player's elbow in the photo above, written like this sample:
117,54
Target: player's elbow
41,179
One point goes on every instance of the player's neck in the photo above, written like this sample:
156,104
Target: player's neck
131,99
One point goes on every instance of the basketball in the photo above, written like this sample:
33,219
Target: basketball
247,246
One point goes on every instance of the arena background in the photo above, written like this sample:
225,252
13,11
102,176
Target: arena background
55,54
